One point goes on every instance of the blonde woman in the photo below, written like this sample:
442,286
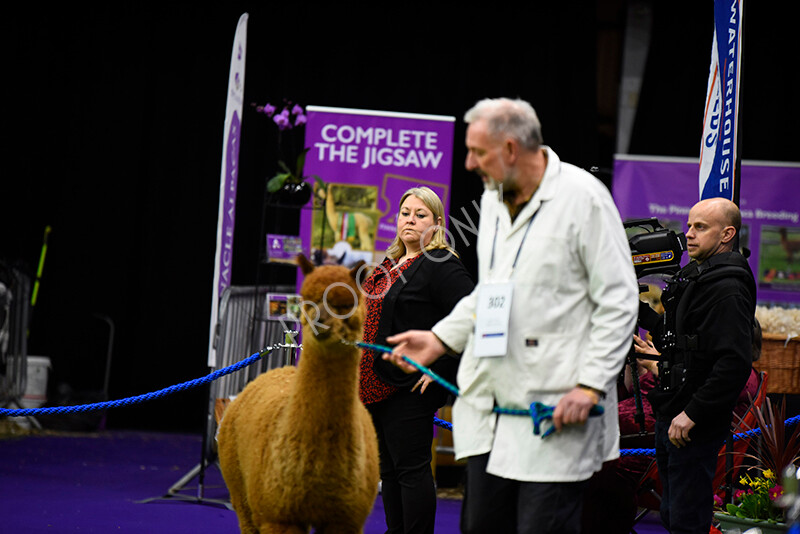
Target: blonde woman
418,283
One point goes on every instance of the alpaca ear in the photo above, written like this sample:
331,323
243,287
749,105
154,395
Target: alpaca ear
359,271
305,264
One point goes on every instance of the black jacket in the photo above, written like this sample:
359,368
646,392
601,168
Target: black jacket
424,294
713,305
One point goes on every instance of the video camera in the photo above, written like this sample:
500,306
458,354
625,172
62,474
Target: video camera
657,251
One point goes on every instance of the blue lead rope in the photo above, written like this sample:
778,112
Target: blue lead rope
384,349
59,410
538,411
541,412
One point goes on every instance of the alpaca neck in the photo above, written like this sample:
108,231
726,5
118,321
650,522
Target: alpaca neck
326,385
330,211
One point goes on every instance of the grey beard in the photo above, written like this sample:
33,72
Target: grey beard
505,188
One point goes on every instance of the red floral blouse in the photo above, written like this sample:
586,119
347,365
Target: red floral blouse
371,388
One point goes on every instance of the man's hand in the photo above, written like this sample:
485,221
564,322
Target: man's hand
679,430
645,346
573,408
422,346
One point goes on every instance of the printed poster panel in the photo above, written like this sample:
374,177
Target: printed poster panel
664,188
283,307
283,248
367,160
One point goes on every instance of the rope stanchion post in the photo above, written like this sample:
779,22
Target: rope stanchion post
291,345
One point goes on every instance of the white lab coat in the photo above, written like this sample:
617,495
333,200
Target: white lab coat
573,312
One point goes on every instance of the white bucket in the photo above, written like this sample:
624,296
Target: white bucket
36,389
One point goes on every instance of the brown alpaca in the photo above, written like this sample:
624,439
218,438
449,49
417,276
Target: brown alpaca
297,447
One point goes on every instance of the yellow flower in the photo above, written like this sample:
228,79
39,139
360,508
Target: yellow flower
769,474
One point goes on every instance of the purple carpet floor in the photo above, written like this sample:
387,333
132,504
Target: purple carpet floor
116,482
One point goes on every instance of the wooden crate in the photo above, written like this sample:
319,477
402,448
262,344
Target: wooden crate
781,359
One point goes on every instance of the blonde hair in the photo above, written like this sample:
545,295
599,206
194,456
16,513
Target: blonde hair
439,237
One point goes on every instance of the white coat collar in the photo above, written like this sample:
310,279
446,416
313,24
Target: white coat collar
546,190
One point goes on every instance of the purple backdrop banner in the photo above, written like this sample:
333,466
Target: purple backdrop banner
666,188
367,160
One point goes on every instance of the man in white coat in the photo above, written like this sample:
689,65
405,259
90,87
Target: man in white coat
550,321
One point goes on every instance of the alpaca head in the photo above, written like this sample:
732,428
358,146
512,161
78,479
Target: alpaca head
333,302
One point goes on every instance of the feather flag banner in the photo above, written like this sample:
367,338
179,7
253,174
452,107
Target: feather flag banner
719,151
228,179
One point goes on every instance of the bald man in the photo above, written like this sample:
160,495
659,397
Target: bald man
709,307
713,223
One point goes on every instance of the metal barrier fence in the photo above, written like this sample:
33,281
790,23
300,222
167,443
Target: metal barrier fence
15,295
243,330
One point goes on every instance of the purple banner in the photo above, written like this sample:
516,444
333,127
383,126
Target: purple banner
367,160
228,213
769,200
229,172
719,148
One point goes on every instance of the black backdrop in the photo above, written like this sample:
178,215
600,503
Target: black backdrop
113,132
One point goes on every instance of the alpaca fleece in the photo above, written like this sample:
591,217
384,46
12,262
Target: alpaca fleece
297,448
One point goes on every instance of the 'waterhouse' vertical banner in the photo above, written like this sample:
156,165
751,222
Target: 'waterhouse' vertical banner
367,160
719,150
228,179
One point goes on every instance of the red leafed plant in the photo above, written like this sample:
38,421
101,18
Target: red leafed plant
758,496
778,448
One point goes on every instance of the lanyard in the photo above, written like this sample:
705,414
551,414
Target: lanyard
525,235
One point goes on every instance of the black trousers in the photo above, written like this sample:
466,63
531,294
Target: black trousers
687,475
404,424
494,504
